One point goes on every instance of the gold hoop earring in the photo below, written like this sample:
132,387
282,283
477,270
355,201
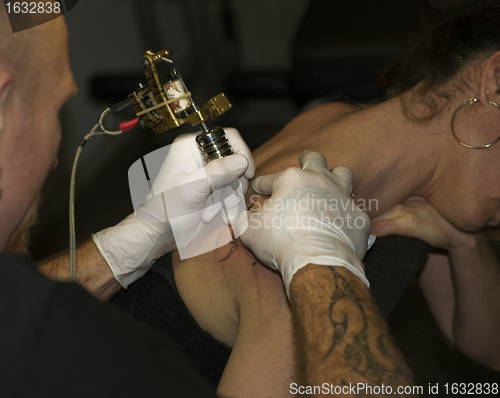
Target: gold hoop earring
472,101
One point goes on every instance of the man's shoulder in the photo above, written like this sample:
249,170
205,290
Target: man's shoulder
61,339
17,271
24,293
22,287
23,298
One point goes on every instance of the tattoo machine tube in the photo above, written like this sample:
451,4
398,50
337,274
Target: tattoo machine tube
214,145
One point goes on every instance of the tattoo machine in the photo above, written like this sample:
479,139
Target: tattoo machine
163,104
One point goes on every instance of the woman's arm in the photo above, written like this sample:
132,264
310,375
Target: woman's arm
462,289
262,363
460,284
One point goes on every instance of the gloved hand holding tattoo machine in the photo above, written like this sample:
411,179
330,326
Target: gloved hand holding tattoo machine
183,189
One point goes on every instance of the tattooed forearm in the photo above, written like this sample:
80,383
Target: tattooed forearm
361,354
341,337
381,346
341,291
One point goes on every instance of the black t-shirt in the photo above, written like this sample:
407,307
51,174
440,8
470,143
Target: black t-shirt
155,300
56,340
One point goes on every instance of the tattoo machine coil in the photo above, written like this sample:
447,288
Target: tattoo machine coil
165,104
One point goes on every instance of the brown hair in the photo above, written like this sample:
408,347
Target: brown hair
441,53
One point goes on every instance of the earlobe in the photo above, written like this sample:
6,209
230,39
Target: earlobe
5,89
490,81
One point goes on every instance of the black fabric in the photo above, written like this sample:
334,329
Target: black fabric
58,341
154,299
343,43
391,265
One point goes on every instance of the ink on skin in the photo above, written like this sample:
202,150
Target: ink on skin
235,245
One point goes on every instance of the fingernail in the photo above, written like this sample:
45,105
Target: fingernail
254,188
371,241
303,154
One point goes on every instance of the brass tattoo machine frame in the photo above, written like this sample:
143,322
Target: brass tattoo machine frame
165,104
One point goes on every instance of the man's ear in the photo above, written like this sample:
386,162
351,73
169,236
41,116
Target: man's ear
490,81
5,89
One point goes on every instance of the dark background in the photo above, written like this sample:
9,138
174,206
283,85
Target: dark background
271,57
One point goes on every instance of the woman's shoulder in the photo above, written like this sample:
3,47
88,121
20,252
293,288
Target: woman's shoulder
333,110
320,116
308,130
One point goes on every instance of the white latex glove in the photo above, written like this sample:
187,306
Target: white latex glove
180,193
310,218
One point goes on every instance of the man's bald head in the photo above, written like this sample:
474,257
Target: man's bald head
20,52
35,82
12,45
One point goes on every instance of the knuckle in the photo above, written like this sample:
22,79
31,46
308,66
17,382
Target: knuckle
411,219
343,171
365,217
316,159
292,173
232,133
361,215
306,152
183,137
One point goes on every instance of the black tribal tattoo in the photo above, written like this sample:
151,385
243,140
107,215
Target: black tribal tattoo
361,355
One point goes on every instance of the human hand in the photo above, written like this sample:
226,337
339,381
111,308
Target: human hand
417,218
176,208
309,218
192,191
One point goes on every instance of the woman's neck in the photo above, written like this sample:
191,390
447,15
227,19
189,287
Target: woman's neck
392,158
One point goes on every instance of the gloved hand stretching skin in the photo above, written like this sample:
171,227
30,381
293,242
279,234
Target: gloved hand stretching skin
183,187
310,218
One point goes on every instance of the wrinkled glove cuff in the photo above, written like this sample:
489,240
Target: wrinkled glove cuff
132,246
342,256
